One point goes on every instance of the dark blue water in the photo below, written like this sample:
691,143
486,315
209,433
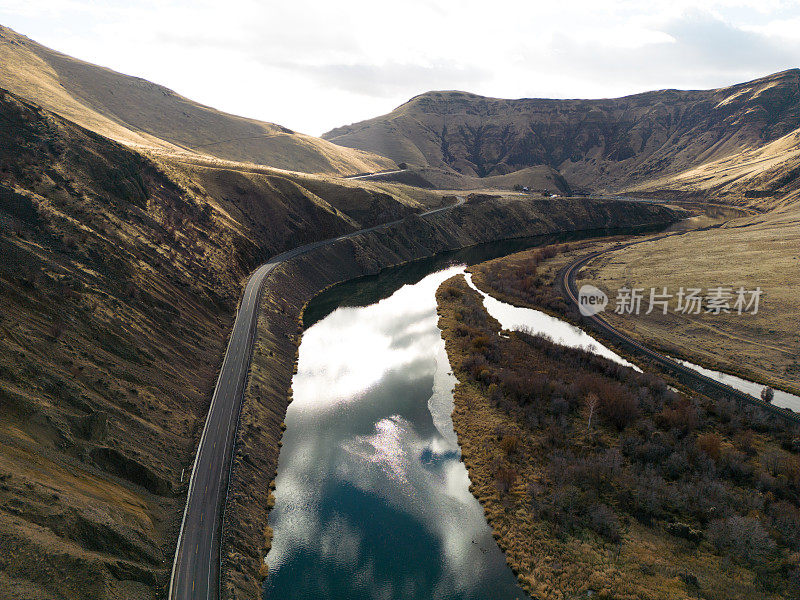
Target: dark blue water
372,499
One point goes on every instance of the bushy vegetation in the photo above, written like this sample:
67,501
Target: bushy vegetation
597,454
526,278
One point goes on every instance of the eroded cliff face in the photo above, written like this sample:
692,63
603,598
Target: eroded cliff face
606,144
246,536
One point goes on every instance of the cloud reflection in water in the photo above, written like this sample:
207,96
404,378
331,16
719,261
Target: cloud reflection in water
372,500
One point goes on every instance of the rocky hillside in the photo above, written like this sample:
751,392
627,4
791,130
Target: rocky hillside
140,113
609,144
118,281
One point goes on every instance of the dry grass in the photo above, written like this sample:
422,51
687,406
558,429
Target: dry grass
763,251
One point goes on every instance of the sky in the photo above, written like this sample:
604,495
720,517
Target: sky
313,65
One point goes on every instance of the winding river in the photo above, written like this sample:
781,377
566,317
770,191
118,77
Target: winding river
372,499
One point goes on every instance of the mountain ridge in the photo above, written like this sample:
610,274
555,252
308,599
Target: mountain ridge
607,144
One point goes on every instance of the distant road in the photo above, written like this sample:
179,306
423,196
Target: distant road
567,282
195,570
375,174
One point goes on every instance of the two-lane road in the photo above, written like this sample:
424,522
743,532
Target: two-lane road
195,570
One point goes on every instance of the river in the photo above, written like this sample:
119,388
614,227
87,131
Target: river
372,499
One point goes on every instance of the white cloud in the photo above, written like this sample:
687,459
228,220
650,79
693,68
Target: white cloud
311,65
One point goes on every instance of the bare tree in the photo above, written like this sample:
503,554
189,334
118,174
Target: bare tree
591,402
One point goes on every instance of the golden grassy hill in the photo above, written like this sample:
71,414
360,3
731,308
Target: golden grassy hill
703,140
766,177
143,114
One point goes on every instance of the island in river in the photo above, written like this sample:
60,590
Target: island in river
601,481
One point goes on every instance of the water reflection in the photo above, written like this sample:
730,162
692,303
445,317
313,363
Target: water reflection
372,500
516,317
371,288
781,399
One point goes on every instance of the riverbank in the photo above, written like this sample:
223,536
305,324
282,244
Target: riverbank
529,279
600,481
246,537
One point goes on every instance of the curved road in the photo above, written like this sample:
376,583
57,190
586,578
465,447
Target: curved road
195,569
371,175
568,285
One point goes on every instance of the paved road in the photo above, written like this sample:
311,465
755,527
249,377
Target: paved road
195,570
569,287
376,174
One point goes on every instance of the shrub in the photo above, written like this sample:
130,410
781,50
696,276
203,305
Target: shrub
559,406
495,393
648,495
710,444
509,444
742,538
768,395
733,465
526,389
745,441
506,476
452,291
566,507
682,417
786,521
676,465
480,342
604,522
618,405
653,451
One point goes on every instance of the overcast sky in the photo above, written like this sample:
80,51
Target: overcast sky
315,65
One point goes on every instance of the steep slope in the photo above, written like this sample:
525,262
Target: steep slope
601,144
118,280
765,177
140,113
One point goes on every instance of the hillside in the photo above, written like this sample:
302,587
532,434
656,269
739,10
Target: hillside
139,113
762,347
725,141
118,282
